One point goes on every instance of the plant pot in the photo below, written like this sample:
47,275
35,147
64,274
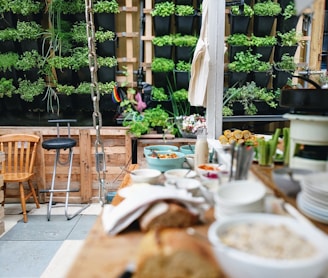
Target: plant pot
36,104
12,74
82,102
182,79
284,4
262,107
7,20
184,53
13,103
238,108
84,74
162,25
65,77
79,17
261,78
29,45
65,102
163,51
233,49
285,25
106,74
105,20
263,25
198,23
106,48
239,24
238,78
280,50
265,51
184,2
184,24
280,78
107,104
31,74
162,79
8,46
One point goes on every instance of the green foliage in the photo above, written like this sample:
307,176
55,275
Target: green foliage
268,8
65,89
180,103
107,61
106,7
163,9
25,7
263,41
106,88
289,38
238,39
6,87
156,116
83,88
162,65
8,61
247,11
28,90
29,60
8,34
243,62
289,11
184,10
28,30
68,7
163,40
185,40
183,66
287,63
261,65
159,94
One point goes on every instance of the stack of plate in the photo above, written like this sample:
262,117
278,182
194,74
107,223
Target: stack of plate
313,199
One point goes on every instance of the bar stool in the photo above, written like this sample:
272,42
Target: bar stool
62,143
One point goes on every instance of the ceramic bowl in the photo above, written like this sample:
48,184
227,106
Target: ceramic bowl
187,149
156,148
145,175
164,164
288,179
175,174
257,266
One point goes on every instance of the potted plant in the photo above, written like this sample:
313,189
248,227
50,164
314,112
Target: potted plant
7,65
157,117
26,10
239,18
107,69
237,43
182,74
288,19
28,65
283,70
7,87
28,91
162,70
28,34
263,46
7,19
261,72
185,46
264,16
287,43
158,94
184,19
180,103
105,14
163,46
63,66
161,15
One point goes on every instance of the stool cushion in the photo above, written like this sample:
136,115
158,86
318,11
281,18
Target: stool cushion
58,143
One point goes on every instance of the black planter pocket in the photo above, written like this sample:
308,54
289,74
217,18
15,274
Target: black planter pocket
280,78
7,46
10,74
162,79
237,78
184,24
284,4
181,79
106,48
163,51
265,51
184,53
239,24
106,74
29,45
84,74
7,20
105,20
184,2
263,25
280,50
162,25
285,25
82,102
198,23
65,77
107,103
31,74
234,49
261,78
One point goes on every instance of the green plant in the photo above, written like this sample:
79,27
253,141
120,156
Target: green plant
28,30
183,66
247,95
287,63
28,90
180,103
238,39
163,40
107,61
25,7
185,40
289,11
65,89
8,34
263,41
289,38
163,9
106,88
159,94
6,87
59,62
80,58
184,10
157,117
243,62
8,61
245,11
83,88
106,7
104,35
136,127
261,65
79,32
162,65
29,60
268,8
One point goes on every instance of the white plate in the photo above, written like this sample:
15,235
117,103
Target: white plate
312,206
308,212
317,182
315,201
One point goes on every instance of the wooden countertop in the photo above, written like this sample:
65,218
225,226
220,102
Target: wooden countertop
107,256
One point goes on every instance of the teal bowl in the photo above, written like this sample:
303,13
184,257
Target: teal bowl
164,164
159,148
187,149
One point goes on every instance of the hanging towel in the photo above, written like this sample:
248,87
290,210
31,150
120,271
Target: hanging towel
200,64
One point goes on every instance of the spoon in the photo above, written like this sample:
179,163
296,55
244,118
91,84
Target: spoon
155,153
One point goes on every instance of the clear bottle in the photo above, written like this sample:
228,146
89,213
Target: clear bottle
201,149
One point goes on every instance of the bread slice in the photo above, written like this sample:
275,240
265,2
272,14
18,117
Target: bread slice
172,253
164,214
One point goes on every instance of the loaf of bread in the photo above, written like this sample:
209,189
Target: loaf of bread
172,253
166,214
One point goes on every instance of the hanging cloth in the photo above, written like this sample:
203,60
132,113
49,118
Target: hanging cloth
200,64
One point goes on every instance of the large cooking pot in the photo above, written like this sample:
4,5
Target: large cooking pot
305,100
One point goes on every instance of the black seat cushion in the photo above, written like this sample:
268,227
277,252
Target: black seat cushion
58,143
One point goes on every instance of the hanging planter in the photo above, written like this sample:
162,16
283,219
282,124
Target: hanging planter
280,50
239,19
106,48
7,20
162,79
237,78
280,78
261,78
184,19
263,25
184,2
182,79
184,53
7,46
285,25
65,76
162,14
164,51
264,51
234,49
106,74
105,21
29,45
283,70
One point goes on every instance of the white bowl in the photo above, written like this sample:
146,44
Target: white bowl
145,175
159,148
191,185
240,264
175,174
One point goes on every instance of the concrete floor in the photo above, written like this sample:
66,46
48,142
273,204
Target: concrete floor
42,248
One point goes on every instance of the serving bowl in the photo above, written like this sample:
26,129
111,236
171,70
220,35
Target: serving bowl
187,149
239,264
172,160
145,175
157,148
174,174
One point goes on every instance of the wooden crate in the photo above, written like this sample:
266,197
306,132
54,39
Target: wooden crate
117,149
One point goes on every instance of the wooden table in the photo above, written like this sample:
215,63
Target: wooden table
106,256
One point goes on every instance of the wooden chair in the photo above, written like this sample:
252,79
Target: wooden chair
20,152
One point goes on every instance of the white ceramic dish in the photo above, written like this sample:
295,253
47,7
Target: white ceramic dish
145,175
239,264
175,174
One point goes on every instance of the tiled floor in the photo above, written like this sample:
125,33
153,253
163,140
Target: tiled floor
42,248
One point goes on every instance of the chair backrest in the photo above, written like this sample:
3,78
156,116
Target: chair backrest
20,152
59,122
